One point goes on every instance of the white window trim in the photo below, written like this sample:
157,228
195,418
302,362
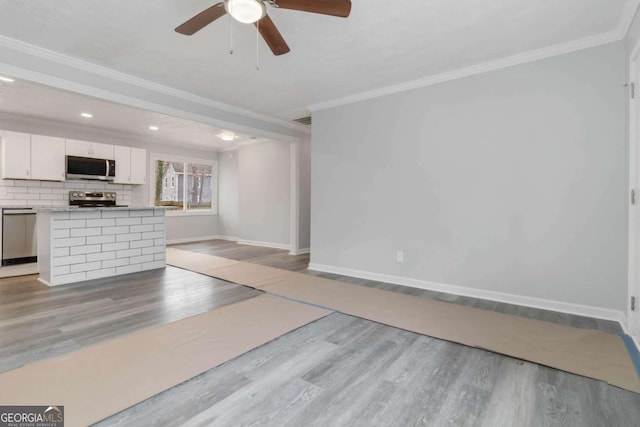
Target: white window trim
153,157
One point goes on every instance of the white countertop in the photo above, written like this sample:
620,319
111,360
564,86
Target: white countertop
79,209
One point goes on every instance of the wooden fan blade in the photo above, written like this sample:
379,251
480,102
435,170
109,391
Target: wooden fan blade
340,8
201,20
272,36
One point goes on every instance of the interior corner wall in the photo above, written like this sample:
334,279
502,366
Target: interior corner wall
264,192
304,213
228,194
512,181
633,35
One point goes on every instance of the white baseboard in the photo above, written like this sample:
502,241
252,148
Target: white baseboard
230,239
227,238
300,251
200,239
264,244
627,330
564,307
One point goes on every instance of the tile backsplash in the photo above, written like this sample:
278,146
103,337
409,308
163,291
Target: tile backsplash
14,192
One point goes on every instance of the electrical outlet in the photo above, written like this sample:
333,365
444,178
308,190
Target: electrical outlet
400,256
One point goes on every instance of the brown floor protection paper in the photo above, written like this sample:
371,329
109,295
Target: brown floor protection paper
98,381
585,352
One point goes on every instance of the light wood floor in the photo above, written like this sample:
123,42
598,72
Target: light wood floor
339,370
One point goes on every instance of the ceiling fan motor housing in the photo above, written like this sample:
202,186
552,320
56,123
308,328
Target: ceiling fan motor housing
245,11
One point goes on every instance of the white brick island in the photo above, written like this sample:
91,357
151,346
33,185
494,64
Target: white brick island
77,244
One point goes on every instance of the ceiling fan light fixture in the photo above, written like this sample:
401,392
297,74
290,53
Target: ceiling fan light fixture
227,136
245,11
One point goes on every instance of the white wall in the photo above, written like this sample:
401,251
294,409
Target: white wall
513,181
264,192
177,227
633,35
304,213
228,194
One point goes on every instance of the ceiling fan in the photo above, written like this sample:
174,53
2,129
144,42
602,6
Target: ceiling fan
254,12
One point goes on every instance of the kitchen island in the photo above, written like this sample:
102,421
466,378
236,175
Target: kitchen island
77,244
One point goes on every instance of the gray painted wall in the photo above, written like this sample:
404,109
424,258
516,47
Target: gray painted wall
512,181
304,225
633,35
177,227
228,194
263,191
229,224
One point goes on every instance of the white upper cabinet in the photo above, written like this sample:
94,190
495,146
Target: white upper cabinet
39,157
89,149
47,158
16,155
123,165
138,166
102,151
130,165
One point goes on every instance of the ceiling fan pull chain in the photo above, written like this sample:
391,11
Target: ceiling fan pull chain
257,45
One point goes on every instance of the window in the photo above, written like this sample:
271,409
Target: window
193,186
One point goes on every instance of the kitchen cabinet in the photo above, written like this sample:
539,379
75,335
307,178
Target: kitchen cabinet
123,165
47,158
138,166
40,157
16,155
130,165
93,150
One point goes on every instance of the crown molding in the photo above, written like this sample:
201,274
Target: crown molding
629,11
79,64
521,58
253,141
137,102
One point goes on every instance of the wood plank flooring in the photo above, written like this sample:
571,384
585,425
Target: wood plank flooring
39,322
338,371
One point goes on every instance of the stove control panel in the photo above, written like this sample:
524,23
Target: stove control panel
95,196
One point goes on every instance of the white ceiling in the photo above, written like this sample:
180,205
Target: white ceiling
382,43
32,100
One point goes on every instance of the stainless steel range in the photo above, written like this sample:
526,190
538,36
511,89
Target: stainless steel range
94,199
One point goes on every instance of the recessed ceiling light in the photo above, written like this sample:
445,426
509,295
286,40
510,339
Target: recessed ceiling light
154,128
86,115
227,136
6,79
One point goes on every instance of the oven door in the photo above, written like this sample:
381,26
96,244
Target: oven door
19,245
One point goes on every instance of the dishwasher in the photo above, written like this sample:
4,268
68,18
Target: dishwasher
19,245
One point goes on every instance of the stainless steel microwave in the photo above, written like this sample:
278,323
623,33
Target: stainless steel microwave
88,168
